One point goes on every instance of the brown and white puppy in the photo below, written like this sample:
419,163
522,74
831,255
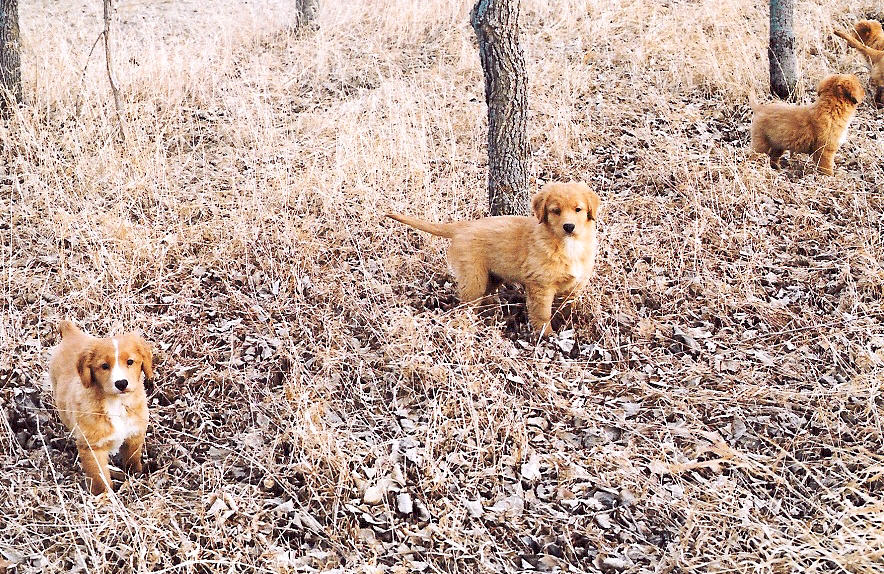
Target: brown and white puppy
818,129
100,397
869,39
550,254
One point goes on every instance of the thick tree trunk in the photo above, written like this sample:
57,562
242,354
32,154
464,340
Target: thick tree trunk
781,51
496,23
10,56
307,11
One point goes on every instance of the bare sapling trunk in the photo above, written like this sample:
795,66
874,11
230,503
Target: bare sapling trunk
306,12
108,9
496,23
781,51
10,56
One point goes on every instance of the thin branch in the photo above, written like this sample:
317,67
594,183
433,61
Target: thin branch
110,73
83,75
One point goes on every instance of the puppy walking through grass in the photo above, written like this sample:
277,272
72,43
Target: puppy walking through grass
551,254
100,398
818,129
869,40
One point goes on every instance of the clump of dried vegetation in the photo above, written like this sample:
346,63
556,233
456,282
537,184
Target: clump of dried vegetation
711,404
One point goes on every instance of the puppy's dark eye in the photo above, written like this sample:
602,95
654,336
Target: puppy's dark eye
105,366
578,209
130,362
555,211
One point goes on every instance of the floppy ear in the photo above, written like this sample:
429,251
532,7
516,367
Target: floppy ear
146,357
83,368
593,201
850,93
538,206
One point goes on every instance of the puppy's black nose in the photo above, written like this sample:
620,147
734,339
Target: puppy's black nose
568,227
121,384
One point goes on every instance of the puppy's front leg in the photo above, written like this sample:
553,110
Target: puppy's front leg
539,301
130,451
94,463
825,160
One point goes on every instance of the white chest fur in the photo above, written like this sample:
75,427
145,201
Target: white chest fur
575,252
124,424
843,137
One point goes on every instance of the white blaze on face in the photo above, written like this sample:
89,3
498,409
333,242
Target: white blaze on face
118,372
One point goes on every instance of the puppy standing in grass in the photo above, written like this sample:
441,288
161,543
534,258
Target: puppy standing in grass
551,255
100,397
818,129
872,47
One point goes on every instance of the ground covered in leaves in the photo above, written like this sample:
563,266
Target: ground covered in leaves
711,402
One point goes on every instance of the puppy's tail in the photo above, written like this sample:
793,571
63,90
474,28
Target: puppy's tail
66,329
753,101
440,229
870,53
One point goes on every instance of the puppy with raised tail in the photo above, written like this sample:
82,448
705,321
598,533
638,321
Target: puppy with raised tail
869,40
550,254
100,397
818,129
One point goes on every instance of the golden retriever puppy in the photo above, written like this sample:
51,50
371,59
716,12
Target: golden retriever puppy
551,253
872,47
100,398
818,129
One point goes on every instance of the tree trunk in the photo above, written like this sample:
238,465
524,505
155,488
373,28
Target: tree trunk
10,56
496,23
781,51
307,11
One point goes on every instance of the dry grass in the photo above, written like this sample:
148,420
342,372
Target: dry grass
713,405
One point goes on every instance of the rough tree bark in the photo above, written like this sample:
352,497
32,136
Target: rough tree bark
781,51
496,23
10,56
306,10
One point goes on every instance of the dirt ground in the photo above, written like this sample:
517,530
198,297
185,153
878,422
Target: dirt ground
711,402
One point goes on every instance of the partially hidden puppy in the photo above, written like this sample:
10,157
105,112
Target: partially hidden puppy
552,253
869,40
100,398
818,129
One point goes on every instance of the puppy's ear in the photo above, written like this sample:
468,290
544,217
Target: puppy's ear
593,202
851,91
538,206
83,367
146,356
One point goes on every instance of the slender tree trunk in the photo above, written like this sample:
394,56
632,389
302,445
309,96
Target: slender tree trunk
781,51
111,78
10,56
496,23
307,11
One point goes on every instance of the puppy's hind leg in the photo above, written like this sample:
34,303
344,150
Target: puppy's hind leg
776,156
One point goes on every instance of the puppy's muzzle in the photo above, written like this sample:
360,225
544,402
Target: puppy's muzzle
568,227
121,384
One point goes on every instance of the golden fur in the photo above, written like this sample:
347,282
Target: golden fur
552,253
100,398
868,38
818,129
